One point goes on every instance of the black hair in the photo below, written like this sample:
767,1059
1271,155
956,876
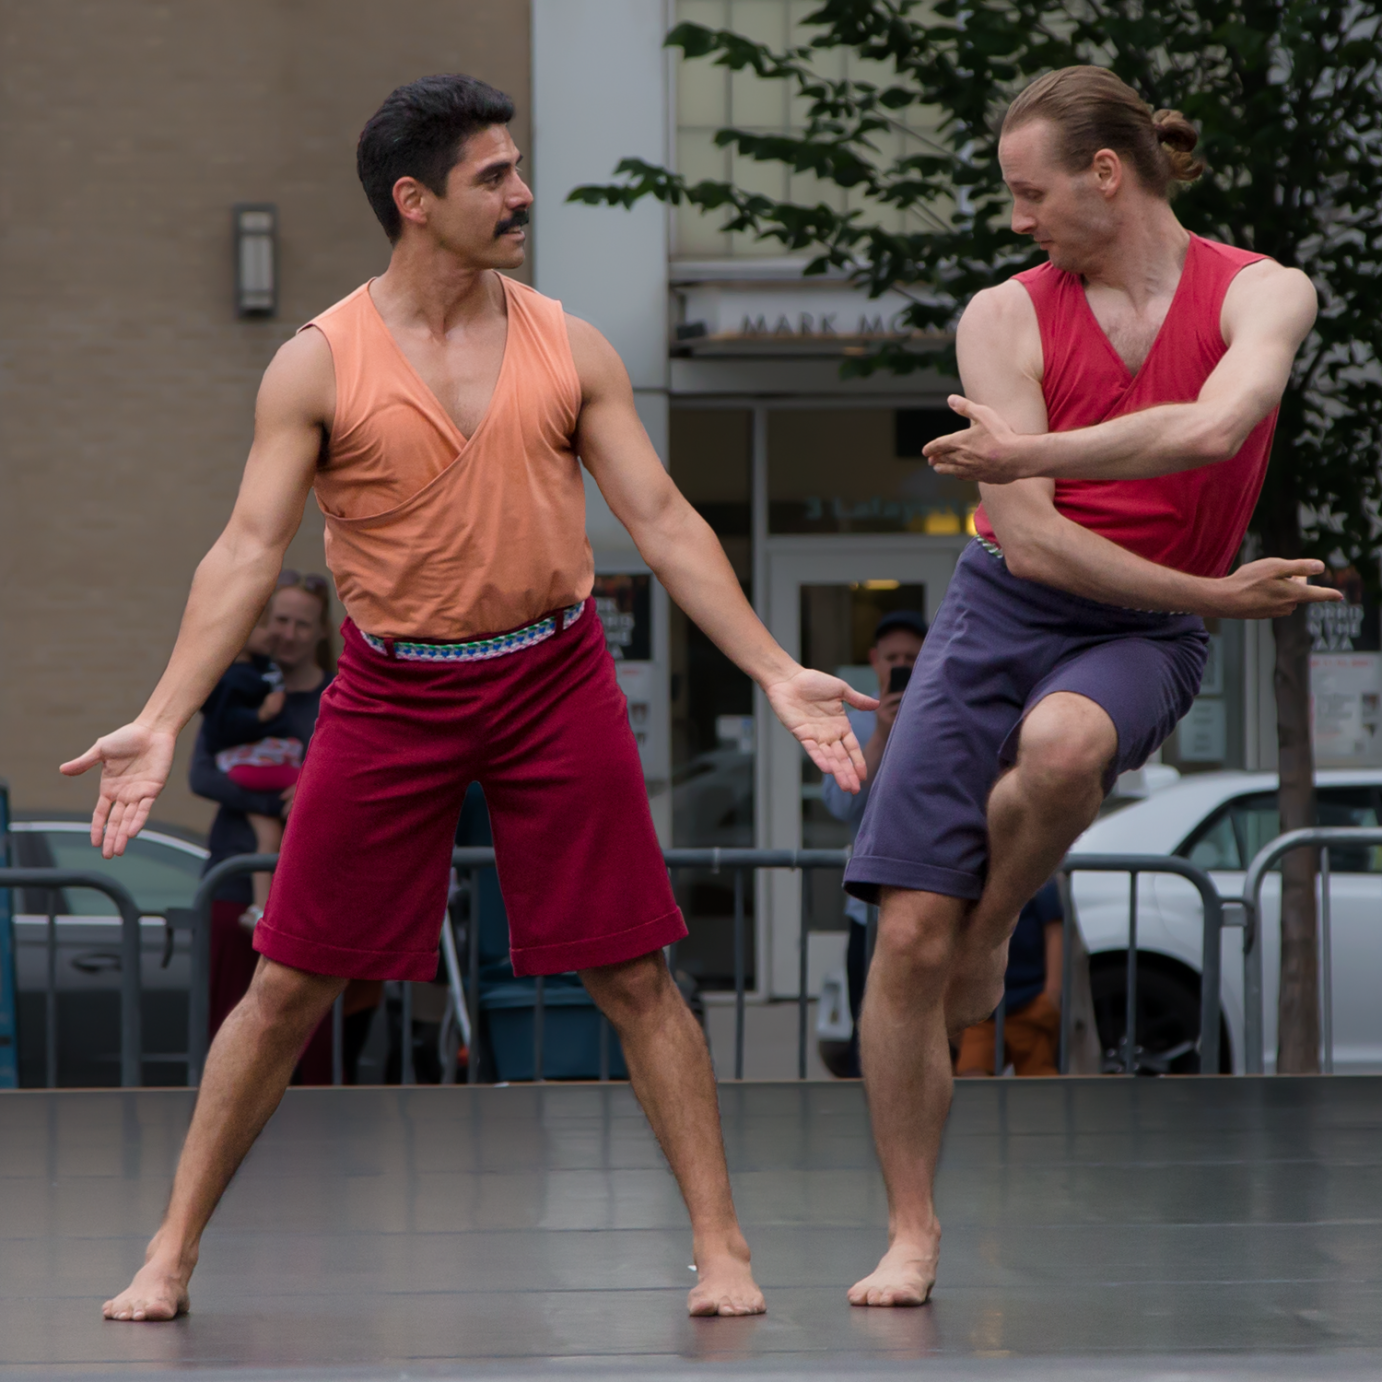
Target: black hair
907,619
419,132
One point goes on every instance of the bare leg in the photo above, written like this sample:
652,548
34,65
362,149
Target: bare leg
938,968
906,1060
247,1070
268,839
1035,813
669,1067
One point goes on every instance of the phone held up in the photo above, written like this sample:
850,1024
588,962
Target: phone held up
898,677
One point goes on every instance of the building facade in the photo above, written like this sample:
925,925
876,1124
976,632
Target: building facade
132,129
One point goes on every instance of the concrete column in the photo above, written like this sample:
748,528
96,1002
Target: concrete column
600,95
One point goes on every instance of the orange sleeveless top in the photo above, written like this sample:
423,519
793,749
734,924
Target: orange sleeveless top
430,535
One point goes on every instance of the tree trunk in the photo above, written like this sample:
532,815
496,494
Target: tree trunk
1298,1005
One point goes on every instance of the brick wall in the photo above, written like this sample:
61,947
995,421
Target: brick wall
128,128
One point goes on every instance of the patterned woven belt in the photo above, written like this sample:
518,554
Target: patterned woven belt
992,548
500,646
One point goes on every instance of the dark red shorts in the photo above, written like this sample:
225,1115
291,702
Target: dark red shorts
362,881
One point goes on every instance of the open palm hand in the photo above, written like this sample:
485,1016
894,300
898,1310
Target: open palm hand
812,705
135,763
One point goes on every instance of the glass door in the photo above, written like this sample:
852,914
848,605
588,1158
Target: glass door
825,598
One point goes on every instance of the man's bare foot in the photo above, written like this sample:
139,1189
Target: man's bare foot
726,1285
904,1276
156,1293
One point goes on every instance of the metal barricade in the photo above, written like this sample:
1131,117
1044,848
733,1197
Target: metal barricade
799,860
198,920
1133,865
1251,902
739,862
131,1030
465,997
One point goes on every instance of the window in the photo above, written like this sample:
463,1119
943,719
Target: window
710,98
157,875
860,470
1214,847
1258,823
1233,835
712,700
1351,806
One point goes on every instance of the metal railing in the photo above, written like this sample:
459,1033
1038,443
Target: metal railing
739,863
464,997
197,920
131,1026
1251,902
741,860
1134,865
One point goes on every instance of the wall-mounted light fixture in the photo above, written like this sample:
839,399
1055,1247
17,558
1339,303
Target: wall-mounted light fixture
256,259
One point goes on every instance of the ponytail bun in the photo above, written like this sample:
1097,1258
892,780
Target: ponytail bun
1178,137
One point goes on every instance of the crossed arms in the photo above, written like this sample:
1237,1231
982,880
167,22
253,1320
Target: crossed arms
1010,451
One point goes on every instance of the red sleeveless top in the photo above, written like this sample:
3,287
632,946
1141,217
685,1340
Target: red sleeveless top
1193,521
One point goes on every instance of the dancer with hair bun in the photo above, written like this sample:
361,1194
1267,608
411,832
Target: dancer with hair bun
1121,400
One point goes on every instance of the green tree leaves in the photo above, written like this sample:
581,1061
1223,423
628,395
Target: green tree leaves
1288,98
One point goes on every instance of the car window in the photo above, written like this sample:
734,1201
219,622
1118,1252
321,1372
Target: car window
1257,822
1353,806
156,874
1215,844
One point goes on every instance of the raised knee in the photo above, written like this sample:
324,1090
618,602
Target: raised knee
1058,756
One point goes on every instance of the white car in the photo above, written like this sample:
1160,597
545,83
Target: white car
1218,821
161,870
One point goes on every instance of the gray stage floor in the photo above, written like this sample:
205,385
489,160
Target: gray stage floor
1094,1228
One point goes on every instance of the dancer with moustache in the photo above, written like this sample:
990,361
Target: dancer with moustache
438,412
1121,399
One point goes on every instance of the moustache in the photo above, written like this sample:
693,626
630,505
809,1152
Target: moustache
519,218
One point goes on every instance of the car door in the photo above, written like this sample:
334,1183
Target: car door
159,872
1216,845
1228,840
1356,931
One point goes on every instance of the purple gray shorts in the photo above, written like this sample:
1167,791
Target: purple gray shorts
997,647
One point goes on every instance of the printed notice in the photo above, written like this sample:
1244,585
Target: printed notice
1346,698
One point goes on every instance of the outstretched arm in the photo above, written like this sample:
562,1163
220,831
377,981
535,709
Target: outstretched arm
230,588
1040,544
1267,313
687,558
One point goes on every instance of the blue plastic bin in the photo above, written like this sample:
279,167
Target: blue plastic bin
570,1031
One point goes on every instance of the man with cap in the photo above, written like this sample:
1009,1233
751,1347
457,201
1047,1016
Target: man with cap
896,643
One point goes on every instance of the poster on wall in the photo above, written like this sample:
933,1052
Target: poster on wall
1346,675
1346,703
624,602
1350,626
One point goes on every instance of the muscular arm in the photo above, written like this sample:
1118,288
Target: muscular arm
684,553
1267,313
1039,543
230,588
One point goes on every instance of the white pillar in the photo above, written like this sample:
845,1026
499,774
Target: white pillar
600,95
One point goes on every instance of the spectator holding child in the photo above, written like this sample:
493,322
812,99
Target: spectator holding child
246,731
294,637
